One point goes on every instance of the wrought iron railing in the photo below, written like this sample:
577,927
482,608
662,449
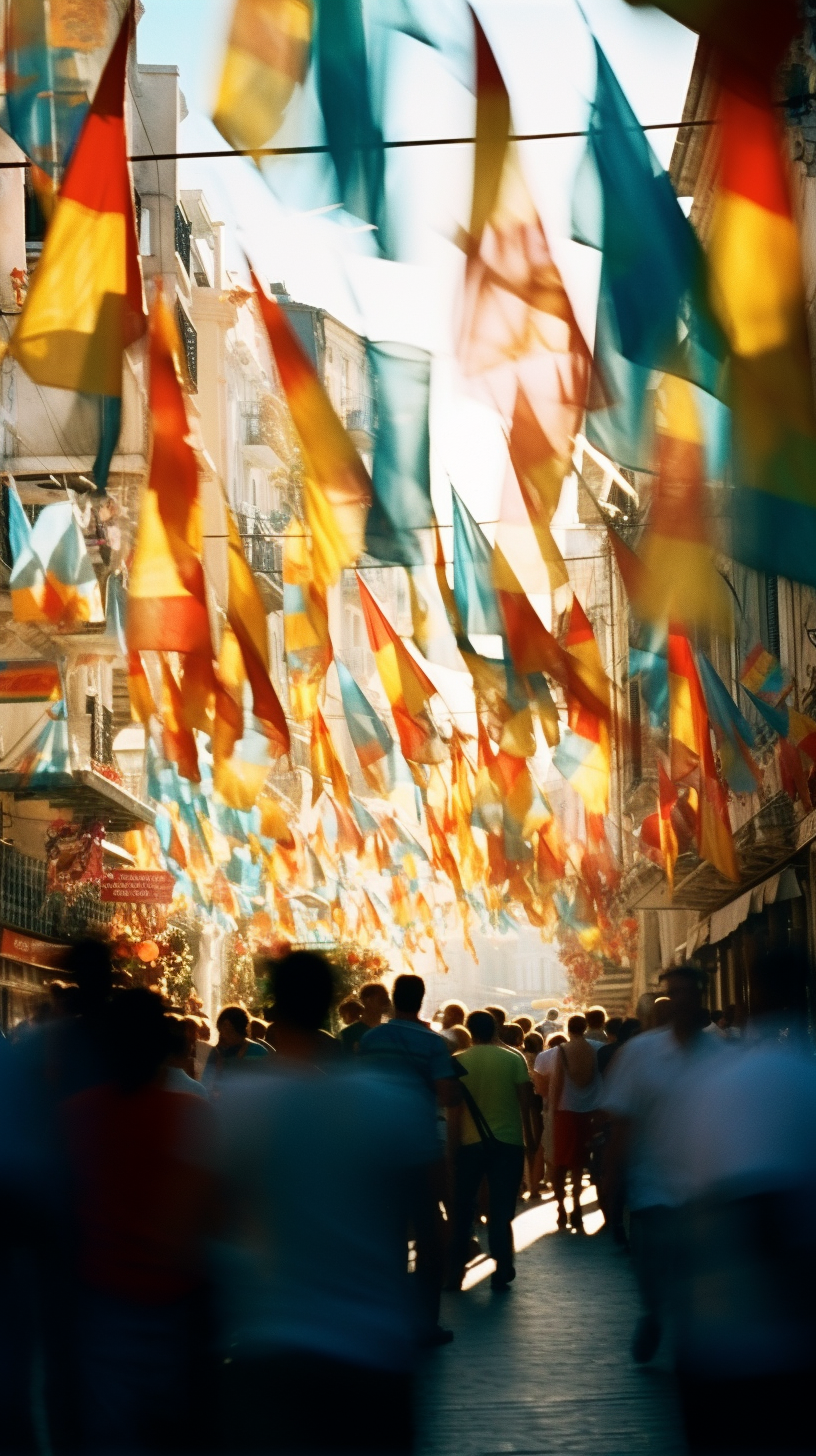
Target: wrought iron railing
26,905
189,339
182,232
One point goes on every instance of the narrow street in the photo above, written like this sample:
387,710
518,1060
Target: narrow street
546,1368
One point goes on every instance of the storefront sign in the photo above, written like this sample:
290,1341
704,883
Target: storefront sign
138,887
17,947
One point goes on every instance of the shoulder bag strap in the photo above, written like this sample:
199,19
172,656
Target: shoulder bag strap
483,1127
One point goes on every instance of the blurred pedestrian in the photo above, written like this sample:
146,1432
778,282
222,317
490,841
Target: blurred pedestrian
350,1010
320,1168
234,1048
452,1026
575,1094
410,1051
596,1023
645,1093
490,1132
747,1300
512,1035
376,1004
499,1017
140,1162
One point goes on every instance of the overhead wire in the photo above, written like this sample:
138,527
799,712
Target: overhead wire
403,144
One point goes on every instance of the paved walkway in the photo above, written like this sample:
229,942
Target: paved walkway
545,1368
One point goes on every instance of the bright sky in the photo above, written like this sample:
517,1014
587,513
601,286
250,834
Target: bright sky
545,52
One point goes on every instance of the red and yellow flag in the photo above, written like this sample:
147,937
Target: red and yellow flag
178,742
668,837
407,687
247,618
326,764
167,602
337,489
692,757
680,582
85,302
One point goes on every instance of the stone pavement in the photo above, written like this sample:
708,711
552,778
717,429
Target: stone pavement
545,1368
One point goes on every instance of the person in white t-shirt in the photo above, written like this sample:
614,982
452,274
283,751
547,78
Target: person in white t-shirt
647,1086
746,1344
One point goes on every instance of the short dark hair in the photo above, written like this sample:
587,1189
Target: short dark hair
498,1013
303,986
236,1016
140,1037
533,1042
577,1025
409,993
351,1003
511,1034
372,989
481,1026
556,1038
613,1026
595,1017
88,964
689,971
630,1028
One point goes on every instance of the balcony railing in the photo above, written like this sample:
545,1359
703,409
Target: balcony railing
189,339
25,905
182,232
359,413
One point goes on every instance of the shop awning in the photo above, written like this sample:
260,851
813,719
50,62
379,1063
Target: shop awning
783,886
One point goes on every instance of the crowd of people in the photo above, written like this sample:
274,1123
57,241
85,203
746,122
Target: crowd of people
240,1243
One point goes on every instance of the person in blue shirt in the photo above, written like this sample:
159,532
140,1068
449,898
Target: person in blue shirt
410,1051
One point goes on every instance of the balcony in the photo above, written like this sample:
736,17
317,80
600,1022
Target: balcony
189,339
182,232
25,904
360,419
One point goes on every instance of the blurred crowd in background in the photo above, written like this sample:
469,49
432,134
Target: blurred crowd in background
243,1244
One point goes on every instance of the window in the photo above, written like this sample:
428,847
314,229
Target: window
769,613
144,233
636,737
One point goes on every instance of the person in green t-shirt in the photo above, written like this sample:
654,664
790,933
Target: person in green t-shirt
489,1131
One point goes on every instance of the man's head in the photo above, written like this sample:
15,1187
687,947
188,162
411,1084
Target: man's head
232,1023
65,998
684,987
481,1026
453,1014
525,1022
302,985
613,1027
408,995
350,1010
498,1013
552,1014
576,1026
88,965
660,1012
596,1018
140,1037
375,1000
555,1038
511,1034
533,1043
